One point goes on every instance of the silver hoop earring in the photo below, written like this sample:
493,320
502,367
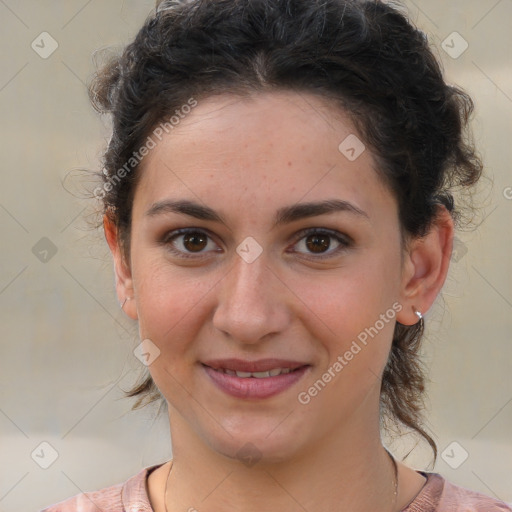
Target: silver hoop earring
418,313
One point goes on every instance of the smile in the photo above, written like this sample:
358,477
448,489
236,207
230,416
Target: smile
257,375
264,383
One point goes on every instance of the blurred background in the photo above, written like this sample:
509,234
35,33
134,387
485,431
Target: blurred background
66,347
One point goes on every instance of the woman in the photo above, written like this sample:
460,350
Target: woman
277,200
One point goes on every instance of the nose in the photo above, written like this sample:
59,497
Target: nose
252,302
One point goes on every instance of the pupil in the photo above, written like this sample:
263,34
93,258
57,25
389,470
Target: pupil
319,243
191,241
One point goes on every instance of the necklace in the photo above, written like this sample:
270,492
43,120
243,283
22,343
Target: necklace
395,482
395,478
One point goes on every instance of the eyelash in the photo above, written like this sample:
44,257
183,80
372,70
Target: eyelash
344,240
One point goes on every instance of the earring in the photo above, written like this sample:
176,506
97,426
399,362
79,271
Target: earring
417,313
124,302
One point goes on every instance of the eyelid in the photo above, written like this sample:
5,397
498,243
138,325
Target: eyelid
345,241
333,232
175,233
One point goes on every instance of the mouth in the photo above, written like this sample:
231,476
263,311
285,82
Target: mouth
254,379
274,372
262,365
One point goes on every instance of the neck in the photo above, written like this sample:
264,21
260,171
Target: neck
342,471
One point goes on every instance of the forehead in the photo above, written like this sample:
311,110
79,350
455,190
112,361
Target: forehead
270,147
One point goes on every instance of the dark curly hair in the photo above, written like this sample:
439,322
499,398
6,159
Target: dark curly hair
364,56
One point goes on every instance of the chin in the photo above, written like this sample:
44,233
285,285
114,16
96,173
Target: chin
257,445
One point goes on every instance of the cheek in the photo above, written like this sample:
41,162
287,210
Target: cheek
170,304
353,318
354,325
345,303
172,311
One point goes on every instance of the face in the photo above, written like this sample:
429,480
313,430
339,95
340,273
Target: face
286,255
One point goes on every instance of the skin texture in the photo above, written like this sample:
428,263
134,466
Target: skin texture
245,159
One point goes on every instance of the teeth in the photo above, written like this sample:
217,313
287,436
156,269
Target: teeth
274,372
243,374
258,375
261,375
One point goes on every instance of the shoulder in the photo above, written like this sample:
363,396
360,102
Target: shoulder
440,495
108,499
470,500
130,496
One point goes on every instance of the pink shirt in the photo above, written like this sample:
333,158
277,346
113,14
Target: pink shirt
437,495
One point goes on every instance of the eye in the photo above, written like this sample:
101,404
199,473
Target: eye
319,243
186,243
196,243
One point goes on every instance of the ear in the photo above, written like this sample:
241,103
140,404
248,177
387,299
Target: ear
124,281
426,263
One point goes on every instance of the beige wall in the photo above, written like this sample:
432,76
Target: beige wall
66,347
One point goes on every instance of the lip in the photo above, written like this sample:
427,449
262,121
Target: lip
262,365
252,387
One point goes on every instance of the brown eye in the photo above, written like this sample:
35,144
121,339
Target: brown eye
318,243
195,242
190,243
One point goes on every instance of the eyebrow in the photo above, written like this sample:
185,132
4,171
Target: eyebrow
284,215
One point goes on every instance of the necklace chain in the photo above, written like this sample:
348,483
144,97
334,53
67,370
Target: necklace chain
395,482
395,478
